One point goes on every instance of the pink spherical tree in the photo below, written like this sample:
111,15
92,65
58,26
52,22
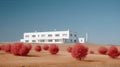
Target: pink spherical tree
0,47
23,51
69,49
45,47
53,49
15,48
79,51
119,53
29,46
102,50
7,48
113,52
19,49
38,48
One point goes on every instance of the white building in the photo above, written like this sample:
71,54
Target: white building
81,40
50,37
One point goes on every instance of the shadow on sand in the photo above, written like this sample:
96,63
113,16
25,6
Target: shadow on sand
2,53
32,56
116,58
92,60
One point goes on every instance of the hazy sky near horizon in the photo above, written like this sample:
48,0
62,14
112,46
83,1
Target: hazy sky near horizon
99,18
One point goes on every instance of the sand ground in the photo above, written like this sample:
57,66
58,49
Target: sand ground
62,59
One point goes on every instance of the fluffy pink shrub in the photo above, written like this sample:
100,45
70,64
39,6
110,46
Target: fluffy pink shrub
16,47
113,52
20,49
53,49
29,46
23,51
69,49
45,47
102,50
7,48
119,53
38,48
79,51
2,47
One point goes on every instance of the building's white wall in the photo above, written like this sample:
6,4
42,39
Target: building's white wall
22,40
46,35
39,36
73,37
82,40
64,37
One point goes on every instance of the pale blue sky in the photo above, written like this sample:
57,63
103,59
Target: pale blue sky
99,18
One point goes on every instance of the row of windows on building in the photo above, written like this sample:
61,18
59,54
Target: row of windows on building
50,35
50,40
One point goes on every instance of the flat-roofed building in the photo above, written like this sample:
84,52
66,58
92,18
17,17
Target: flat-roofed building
66,36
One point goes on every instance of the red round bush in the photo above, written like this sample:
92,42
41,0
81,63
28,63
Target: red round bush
29,46
16,47
38,48
113,52
69,49
53,49
23,51
79,51
45,47
102,50
2,47
92,52
7,47
119,53
19,49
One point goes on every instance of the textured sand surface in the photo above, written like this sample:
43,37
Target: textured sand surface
62,59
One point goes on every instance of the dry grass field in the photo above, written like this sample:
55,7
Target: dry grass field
62,59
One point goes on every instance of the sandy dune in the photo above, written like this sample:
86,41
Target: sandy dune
62,59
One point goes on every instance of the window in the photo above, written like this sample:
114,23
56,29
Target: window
81,40
33,35
75,35
74,40
33,40
49,35
64,34
26,40
70,34
65,40
57,35
57,40
71,40
26,35
43,35
50,40
41,40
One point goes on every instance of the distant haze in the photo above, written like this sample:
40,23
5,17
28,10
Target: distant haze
99,18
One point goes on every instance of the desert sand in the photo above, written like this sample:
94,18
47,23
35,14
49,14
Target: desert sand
62,59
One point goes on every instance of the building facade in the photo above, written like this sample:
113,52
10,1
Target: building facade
50,37
81,40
